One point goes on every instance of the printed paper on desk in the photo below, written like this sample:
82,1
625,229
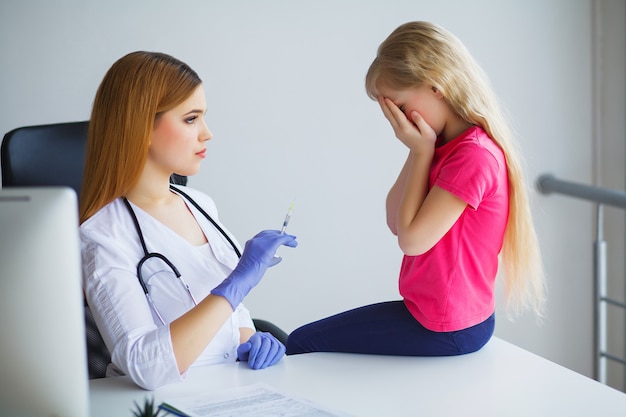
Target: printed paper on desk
258,400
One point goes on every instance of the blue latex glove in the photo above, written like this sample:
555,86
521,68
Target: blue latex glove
257,256
261,350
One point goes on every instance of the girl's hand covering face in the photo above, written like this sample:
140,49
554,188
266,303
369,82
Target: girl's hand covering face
415,133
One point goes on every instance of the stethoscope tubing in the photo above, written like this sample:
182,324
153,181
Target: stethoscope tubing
149,255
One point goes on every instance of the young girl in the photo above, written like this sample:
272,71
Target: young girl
458,202
162,276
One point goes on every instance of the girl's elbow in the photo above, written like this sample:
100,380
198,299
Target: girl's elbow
411,247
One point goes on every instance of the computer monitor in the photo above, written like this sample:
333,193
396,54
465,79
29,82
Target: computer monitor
43,365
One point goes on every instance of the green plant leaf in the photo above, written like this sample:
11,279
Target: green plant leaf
148,410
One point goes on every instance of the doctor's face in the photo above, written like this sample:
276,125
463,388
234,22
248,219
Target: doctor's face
177,143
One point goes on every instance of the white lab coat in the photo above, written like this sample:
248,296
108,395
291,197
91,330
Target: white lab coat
140,345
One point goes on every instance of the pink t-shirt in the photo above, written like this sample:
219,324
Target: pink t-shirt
451,287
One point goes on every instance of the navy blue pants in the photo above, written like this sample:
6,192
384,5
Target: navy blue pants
386,328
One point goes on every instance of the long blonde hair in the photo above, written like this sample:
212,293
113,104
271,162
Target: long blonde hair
135,90
422,53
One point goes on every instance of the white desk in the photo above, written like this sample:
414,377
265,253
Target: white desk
500,380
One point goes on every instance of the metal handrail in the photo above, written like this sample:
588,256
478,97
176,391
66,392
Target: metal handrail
547,184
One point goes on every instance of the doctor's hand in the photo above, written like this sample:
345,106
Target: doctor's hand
261,350
258,255
412,130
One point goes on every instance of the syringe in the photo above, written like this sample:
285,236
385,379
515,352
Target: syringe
287,218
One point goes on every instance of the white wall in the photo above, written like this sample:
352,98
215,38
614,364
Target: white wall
286,103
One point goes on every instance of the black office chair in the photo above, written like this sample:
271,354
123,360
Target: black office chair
54,154
51,154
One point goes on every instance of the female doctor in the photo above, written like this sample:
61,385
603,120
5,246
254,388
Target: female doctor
162,276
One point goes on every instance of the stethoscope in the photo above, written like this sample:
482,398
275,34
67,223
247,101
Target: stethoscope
149,255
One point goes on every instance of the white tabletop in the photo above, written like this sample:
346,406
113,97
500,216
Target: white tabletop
499,380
